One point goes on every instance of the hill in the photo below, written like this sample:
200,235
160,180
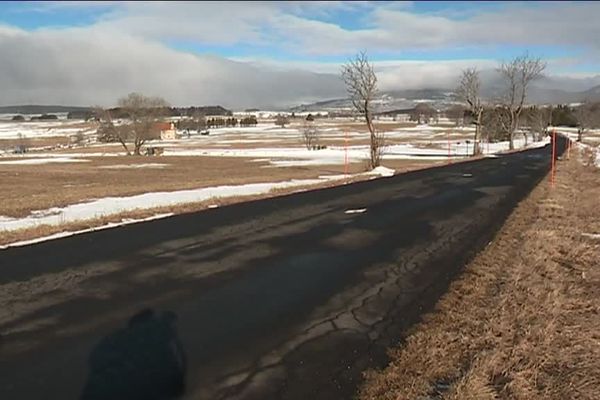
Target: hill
40,109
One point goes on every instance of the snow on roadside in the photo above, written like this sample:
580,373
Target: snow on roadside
382,171
115,205
125,221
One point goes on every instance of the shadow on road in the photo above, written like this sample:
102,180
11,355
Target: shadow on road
144,360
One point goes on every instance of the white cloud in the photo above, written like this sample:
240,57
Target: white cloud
126,50
89,66
387,26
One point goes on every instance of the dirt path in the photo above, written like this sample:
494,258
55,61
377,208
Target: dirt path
522,322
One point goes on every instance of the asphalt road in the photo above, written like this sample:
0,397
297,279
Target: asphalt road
286,298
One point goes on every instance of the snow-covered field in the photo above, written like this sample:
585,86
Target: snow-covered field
39,129
279,147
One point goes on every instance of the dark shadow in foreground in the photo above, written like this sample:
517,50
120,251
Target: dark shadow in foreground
144,360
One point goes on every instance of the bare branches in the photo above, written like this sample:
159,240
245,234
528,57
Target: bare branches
539,118
469,88
518,75
588,116
143,113
310,135
108,131
281,120
468,91
361,83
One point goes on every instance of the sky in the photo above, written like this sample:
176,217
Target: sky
259,54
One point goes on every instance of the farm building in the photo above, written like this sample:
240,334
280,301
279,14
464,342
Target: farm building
165,130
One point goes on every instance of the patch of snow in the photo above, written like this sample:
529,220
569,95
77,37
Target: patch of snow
591,235
37,129
59,235
114,205
34,161
355,211
382,171
134,166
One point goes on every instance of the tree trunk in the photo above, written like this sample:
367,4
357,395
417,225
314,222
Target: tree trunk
137,147
513,128
124,146
511,135
374,161
476,147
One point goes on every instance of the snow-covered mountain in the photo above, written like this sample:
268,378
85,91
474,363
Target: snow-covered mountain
539,93
387,101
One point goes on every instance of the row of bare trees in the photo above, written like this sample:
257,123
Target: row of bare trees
361,83
505,114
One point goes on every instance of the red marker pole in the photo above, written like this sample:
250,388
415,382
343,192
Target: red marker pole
553,157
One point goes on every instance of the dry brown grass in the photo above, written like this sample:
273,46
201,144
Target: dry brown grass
523,321
50,141
360,126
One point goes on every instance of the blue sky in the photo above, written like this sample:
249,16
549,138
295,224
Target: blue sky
427,41
350,17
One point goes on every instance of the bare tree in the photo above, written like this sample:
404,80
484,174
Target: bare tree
281,120
456,114
494,123
539,118
469,92
518,75
310,135
143,114
23,143
588,116
423,113
108,131
361,83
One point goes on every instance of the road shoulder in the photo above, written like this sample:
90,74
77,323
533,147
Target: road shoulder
522,320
